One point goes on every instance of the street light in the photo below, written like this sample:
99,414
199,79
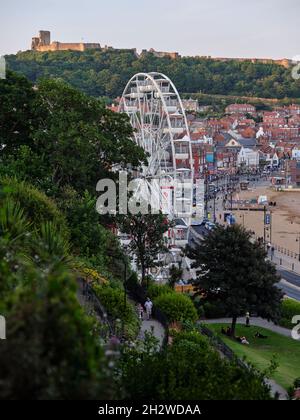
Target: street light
298,240
243,217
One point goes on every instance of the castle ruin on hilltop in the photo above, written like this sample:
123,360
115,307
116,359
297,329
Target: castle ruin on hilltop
43,43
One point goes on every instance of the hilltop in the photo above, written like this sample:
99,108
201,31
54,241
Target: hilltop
106,72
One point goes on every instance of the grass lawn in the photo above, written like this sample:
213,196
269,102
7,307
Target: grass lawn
260,351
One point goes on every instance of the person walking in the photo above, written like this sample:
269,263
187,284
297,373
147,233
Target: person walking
148,306
140,311
247,319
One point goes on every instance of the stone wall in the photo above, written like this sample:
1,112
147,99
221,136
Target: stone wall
61,46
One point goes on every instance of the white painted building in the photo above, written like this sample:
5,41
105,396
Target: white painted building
248,157
296,153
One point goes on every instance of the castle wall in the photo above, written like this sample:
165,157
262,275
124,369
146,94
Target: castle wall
61,46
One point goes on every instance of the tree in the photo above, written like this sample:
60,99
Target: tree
105,73
16,112
175,275
56,136
76,126
147,237
234,273
190,369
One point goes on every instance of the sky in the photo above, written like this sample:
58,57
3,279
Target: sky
220,28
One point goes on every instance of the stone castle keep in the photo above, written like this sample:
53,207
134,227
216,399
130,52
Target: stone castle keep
43,43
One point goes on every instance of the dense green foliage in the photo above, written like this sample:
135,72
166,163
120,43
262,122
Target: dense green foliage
73,140
188,370
147,237
37,207
176,307
51,351
289,309
119,307
105,73
154,290
234,273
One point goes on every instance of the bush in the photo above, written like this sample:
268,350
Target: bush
190,369
176,307
155,290
289,308
37,207
112,298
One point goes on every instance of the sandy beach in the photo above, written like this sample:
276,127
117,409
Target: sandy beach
285,216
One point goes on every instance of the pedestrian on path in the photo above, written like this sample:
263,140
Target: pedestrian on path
247,319
148,306
140,311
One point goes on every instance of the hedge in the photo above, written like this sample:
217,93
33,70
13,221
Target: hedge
289,308
112,298
155,290
176,307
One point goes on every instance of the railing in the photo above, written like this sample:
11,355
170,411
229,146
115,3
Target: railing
221,346
90,297
285,251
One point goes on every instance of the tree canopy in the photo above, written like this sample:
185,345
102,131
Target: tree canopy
105,73
233,272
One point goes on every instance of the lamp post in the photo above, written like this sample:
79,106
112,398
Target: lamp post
298,240
243,217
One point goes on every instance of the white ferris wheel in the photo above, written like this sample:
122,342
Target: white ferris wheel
160,127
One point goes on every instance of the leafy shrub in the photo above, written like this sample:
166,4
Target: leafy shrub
155,290
289,308
192,336
112,298
37,207
176,307
190,369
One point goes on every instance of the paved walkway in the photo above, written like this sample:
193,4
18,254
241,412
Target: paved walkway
277,389
285,262
257,322
153,327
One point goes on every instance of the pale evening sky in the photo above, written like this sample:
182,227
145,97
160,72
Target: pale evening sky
222,28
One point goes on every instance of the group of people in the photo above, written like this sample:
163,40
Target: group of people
228,333
243,339
148,306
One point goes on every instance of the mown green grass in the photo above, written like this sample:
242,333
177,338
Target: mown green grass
261,351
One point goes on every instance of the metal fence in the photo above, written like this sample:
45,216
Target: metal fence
284,251
91,298
221,346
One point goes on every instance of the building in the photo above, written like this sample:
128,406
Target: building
293,172
248,158
296,153
285,62
162,54
190,105
43,43
274,119
294,109
240,109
